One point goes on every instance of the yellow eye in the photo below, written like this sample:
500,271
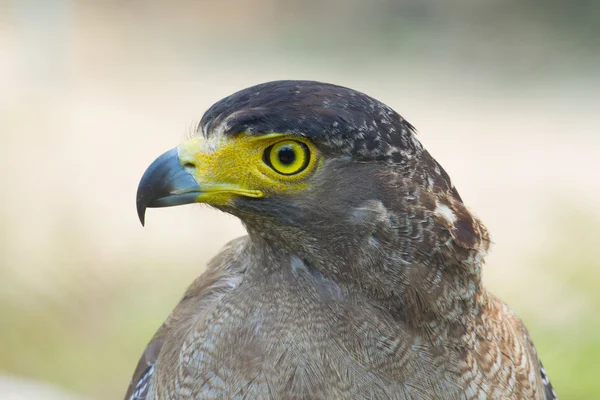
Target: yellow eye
288,157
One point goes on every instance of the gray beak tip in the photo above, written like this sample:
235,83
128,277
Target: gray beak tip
164,184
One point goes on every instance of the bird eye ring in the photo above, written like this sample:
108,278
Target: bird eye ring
288,157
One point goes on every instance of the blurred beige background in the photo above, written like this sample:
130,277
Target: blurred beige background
504,94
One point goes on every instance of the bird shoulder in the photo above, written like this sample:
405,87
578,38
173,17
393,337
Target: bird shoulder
223,273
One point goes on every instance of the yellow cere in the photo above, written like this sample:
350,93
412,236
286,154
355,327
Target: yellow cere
226,167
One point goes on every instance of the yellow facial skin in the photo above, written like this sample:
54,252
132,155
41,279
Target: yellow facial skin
227,167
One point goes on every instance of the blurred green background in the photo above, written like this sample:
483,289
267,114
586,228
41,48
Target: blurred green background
505,95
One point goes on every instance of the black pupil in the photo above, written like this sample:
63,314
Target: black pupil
286,155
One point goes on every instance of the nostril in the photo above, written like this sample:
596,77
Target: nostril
189,167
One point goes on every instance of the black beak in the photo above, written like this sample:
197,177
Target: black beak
165,183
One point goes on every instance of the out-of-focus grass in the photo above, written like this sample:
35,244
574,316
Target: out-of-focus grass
569,345
80,325
86,329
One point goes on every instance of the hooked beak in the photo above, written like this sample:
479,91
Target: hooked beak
195,172
166,183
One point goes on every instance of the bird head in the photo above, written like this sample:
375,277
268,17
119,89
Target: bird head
322,171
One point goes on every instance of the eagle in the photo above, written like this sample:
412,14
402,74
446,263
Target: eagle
359,276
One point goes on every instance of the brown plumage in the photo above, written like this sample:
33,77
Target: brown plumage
364,284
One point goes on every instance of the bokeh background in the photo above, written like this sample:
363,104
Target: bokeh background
504,93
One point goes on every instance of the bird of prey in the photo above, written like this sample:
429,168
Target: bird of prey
359,277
